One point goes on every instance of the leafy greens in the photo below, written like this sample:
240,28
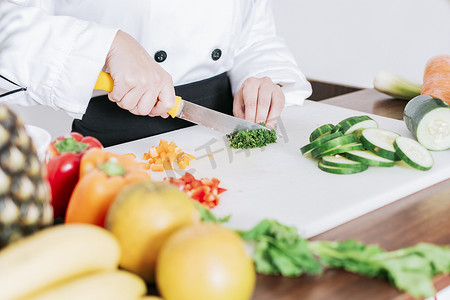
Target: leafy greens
409,269
279,249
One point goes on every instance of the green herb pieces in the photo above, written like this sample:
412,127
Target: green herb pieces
280,250
246,139
207,216
409,269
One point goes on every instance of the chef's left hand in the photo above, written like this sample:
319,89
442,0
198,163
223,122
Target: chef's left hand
259,100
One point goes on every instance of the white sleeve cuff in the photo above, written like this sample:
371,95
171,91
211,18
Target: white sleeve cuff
81,67
57,59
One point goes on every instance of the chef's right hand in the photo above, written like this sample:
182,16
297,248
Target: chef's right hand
141,86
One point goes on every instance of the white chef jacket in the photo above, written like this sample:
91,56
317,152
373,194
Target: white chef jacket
56,49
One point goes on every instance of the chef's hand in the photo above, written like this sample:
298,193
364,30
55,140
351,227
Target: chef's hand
141,86
259,100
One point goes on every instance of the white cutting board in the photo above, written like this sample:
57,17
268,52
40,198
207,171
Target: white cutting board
277,182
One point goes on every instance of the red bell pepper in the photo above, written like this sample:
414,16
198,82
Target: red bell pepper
63,164
206,191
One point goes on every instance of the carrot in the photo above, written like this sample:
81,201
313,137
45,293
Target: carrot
436,78
165,155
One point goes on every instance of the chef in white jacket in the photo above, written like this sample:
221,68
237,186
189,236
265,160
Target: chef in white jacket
221,54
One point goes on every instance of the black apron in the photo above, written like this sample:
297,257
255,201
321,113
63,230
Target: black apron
113,125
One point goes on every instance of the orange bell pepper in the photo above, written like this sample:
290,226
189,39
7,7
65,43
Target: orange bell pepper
102,176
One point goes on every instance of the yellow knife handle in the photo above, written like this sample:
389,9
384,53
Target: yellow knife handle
174,111
106,83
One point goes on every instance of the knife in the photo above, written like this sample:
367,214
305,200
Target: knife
192,112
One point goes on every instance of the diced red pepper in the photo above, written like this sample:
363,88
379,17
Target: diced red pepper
63,163
206,191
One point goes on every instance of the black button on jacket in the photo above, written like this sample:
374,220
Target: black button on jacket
160,56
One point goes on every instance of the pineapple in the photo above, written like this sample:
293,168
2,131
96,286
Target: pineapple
25,196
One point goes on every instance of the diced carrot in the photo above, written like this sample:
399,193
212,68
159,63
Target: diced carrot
131,155
163,144
153,152
191,157
186,160
182,165
145,166
436,78
178,150
167,164
165,155
171,156
157,167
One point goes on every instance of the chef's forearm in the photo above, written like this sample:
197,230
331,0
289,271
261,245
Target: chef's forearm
56,58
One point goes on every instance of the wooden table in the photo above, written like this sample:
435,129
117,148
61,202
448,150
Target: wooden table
420,217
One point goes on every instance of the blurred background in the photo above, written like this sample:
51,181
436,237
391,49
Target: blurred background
339,45
346,42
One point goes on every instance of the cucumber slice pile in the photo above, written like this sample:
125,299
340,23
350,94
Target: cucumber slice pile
356,143
352,124
340,170
320,132
368,158
339,161
338,164
342,149
322,140
333,145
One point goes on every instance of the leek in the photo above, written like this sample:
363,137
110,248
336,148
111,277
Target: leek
396,86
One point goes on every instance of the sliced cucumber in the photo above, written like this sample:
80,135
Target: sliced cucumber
356,143
338,170
340,161
368,158
307,148
336,128
429,120
320,132
413,153
333,144
342,149
380,142
352,124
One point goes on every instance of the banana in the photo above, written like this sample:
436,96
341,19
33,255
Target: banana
55,254
108,285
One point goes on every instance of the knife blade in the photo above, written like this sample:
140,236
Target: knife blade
210,118
194,113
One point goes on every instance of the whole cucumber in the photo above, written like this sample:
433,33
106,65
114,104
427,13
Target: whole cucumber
428,119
